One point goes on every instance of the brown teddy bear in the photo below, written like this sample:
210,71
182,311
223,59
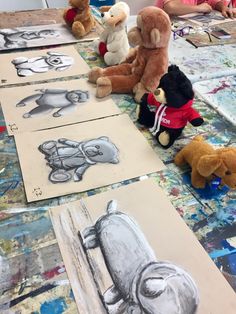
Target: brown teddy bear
79,17
207,163
149,58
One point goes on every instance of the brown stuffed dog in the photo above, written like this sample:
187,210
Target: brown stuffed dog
79,17
149,59
207,162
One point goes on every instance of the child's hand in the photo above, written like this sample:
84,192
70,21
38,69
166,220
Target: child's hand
204,8
228,12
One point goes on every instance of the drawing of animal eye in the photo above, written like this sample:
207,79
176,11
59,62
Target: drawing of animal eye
153,287
55,60
97,146
228,173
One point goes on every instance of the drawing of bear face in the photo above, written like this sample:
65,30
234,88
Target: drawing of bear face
101,150
53,61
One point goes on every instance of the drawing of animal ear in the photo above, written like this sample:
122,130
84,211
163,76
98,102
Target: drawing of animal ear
55,53
155,36
104,138
208,165
62,68
153,287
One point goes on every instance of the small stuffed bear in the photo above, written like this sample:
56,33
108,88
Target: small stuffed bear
79,17
173,100
208,163
113,43
146,63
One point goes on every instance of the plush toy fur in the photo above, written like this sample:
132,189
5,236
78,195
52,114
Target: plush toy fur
149,58
207,162
113,43
79,17
173,100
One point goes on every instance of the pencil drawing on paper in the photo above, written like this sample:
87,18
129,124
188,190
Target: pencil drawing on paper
52,61
65,157
141,283
48,100
17,38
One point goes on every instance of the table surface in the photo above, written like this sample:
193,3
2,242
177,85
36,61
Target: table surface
32,273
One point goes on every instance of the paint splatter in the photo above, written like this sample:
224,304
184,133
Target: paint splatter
56,306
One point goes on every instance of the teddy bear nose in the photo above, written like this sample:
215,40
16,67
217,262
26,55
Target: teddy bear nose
102,14
157,92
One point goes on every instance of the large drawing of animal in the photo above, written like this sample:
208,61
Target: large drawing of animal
53,61
64,156
141,283
49,99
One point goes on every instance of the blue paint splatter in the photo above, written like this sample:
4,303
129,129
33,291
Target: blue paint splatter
56,306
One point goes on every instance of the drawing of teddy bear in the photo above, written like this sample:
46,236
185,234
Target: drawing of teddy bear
65,155
49,99
53,61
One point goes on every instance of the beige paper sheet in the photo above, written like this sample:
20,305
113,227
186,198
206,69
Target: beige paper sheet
91,109
136,157
8,72
165,231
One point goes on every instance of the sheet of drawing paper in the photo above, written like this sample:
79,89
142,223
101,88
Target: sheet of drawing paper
42,106
167,234
37,65
220,93
35,36
83,156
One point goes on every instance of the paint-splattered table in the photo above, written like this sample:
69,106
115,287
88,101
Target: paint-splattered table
32,275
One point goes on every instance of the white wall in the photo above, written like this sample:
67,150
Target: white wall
137,5
17,5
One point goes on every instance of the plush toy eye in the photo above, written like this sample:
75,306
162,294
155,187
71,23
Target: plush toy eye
228,173
112,15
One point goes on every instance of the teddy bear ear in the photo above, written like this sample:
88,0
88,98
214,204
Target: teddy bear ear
208,164
155,36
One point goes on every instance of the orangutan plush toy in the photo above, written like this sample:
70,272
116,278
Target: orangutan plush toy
146,64
79,18
208,163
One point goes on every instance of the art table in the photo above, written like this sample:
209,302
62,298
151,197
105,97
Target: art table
32,274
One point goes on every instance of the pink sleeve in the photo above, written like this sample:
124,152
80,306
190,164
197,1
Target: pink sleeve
213,3
161,3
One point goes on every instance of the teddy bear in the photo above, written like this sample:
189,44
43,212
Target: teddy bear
208,163
64,156
79,17
173,100
113,44
145,64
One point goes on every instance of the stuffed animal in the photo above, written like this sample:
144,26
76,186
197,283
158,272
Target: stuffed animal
145,64
79,17
208,163
173,100
113,43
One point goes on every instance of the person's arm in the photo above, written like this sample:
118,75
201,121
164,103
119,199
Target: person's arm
176,7
222,6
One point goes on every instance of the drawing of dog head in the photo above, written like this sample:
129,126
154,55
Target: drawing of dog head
53,61
100,150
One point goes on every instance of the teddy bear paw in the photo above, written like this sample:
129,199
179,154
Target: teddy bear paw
104,87
78,29
164,138
94,74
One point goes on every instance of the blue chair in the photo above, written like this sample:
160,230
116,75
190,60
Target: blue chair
99,3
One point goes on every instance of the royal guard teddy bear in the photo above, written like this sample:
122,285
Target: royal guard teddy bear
145,64
79,17
208,163
113,44
172,100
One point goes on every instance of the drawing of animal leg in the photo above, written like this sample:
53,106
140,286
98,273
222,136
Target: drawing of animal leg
24,72
60,175
112,295
90,238
40,110
19,60
65,110
28,99
48,147
78,175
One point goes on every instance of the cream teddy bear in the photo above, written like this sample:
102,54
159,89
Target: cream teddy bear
113,43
